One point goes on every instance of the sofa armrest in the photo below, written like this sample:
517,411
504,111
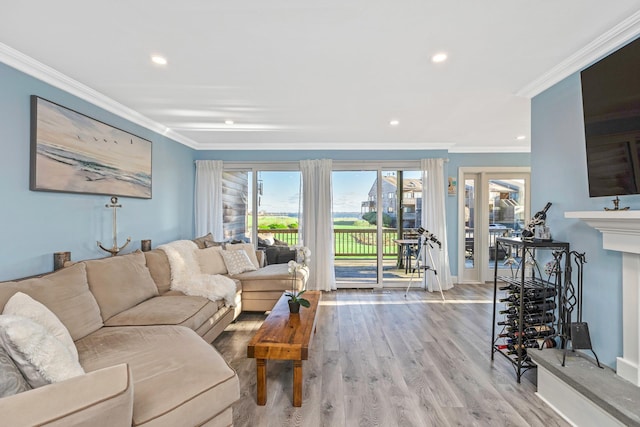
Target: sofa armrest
99,398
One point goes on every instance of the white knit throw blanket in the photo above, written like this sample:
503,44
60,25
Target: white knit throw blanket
187,278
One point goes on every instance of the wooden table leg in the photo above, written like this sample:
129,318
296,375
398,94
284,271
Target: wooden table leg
261,370
297,383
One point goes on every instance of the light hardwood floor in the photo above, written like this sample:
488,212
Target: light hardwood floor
380,359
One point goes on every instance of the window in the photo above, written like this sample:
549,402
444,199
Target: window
278,205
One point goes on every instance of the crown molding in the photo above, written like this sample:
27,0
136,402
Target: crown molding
461,148
40,71
325,146
619,35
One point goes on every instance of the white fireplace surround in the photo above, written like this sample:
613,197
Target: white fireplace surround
621,232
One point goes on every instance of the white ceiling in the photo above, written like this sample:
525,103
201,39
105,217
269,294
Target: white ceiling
318,74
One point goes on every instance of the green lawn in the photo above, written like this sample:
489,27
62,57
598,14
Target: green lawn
361,242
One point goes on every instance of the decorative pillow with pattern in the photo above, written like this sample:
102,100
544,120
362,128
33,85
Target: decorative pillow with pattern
248,248
237,261
11,379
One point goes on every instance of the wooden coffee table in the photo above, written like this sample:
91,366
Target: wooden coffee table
284,336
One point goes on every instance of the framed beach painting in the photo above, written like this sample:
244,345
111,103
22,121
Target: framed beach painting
74,153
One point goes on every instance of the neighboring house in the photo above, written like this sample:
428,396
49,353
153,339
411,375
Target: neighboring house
411,200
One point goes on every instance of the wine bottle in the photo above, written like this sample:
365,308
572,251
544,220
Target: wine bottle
534,293
534,331
540,307
525,344
538,331
514,299
510,287
538,218
530,308
533,318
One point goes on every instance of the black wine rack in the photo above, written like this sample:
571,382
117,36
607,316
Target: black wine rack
527,309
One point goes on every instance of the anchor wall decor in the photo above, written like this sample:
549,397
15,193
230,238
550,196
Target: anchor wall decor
115,249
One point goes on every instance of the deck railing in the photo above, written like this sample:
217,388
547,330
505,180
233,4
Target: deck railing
348,242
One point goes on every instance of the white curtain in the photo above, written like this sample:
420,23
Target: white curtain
434,219
208,198
316,225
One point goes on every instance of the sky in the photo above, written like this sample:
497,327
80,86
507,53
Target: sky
281,190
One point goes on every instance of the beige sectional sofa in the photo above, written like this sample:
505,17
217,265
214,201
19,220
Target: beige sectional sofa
145,348
145,360
261,288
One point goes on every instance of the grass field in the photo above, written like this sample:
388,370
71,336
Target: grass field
361,243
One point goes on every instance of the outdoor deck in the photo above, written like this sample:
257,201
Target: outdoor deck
365,271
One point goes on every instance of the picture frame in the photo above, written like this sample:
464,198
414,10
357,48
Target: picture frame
74,153
452,186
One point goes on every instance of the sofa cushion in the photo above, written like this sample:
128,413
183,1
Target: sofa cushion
11,379
179,379
237,262
273,277
160,269
66,293
189,311
210,260
102,398
248,248
120,282
21,304
39,355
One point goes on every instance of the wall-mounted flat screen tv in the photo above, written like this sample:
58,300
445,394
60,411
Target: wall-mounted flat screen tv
611,106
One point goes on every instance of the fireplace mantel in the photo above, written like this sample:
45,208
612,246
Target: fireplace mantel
620,229
621,232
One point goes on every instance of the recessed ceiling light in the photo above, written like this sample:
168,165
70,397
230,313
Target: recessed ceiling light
157,59
394,122
439,57
228,122
521,137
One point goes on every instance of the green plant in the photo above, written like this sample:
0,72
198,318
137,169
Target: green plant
294,296
372,218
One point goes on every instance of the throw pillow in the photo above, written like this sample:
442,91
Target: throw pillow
23,305
200,241
237,262
11,379
40,356
248,248
210,260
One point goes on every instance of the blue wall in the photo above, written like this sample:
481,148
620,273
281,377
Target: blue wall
559,175
34,225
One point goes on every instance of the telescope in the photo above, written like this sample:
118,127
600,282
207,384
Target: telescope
429,236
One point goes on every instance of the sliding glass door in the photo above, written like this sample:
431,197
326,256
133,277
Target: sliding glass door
355,218
376,215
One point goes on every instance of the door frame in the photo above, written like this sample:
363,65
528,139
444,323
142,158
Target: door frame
481,257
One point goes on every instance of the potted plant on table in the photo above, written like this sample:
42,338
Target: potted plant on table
295,299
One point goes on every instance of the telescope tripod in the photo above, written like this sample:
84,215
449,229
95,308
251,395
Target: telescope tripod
422,243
